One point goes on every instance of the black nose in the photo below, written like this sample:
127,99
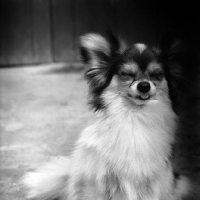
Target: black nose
144,87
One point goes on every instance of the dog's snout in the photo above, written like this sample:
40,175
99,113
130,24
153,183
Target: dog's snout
144,87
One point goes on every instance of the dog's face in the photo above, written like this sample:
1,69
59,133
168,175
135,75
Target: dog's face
140,75
135,73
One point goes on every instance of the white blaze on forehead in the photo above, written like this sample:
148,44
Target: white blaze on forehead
130,67
140,47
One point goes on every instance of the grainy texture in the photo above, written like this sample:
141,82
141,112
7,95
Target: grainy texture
43,110
25,32
36,31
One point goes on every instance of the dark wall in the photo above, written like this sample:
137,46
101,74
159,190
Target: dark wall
37,31
180,18
24,31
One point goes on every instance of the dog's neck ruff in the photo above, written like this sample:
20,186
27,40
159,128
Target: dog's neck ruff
134,140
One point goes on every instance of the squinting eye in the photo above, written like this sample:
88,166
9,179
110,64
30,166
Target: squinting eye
126,77
157,76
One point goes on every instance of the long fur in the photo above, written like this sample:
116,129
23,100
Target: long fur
128,150
47,182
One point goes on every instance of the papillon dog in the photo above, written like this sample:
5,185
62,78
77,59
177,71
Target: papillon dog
127,150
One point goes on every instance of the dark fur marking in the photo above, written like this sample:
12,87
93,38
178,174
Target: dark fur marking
99,76
143,59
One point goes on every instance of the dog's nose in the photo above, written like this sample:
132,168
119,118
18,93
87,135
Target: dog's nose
144,87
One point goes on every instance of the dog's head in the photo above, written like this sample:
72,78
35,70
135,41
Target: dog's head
134,73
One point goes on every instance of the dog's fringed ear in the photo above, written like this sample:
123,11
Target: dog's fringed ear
181,70
94,49
97,53
173,55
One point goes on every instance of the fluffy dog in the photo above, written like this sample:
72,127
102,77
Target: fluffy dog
126,152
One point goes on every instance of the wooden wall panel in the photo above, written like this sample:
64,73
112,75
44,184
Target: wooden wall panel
3,33
36,31
92,16
137,21
81,23
62,30
16,29
101,15
25,32
41,34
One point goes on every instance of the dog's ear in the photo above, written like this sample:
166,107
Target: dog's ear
97,53
177,54
180,64
173,55
94,49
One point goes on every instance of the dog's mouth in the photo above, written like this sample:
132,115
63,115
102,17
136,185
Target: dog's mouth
140,94
143,97
140,99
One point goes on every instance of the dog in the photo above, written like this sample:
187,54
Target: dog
139,95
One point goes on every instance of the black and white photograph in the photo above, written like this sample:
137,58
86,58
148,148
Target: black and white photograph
99,100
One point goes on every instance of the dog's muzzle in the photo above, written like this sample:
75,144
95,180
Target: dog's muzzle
144,87
142,91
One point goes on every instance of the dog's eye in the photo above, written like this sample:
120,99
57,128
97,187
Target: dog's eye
157,76
126,76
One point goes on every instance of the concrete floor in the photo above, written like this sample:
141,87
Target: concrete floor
42,111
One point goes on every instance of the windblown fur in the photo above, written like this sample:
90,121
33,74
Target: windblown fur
49,180
128,149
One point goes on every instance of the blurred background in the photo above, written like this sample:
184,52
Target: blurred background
43,102
43,31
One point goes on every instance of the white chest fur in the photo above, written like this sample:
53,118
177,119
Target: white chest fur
136,142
